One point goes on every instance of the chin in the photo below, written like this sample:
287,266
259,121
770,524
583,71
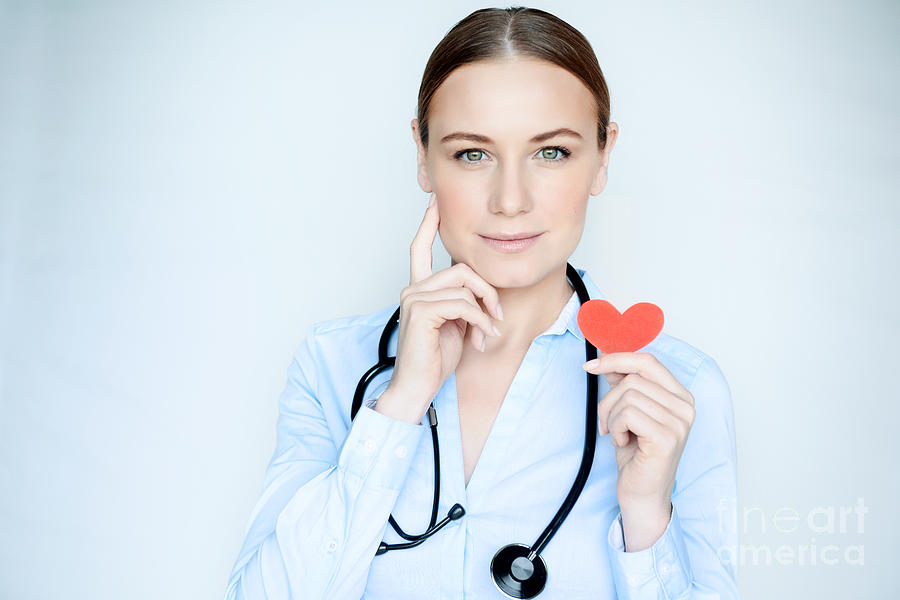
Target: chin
509,271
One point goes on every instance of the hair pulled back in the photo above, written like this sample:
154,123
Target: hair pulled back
502,33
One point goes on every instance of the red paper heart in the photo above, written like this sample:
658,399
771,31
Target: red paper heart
612,331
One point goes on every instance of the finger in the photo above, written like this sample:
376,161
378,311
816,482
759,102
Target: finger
460,309
420,259
642,363
478,335
614,378
478,339
430,295
637,399
674,405
444,309
651,433
462,275
611,378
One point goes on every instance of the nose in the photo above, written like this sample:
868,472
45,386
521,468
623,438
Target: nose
510,196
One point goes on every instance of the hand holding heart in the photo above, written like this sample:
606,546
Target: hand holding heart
647,411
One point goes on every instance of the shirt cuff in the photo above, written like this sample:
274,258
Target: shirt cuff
662,566
380,450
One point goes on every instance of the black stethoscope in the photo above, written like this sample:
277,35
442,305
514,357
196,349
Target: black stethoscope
517,569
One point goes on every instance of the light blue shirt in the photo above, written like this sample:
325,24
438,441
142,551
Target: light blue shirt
332,483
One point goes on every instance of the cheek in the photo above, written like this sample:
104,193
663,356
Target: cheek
450,187
458,219
569,206
569,181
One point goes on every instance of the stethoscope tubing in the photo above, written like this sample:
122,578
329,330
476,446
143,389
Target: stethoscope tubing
457,511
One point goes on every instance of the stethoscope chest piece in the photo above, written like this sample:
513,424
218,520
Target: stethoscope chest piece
517,576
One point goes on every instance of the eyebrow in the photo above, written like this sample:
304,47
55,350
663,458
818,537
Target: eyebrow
482,139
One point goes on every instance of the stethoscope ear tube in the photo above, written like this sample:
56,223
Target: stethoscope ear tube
455,512
364,382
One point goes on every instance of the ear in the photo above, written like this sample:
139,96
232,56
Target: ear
599,182
421,165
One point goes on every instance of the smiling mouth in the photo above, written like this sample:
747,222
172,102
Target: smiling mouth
511,245
500,237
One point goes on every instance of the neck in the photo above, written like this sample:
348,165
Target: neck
529,311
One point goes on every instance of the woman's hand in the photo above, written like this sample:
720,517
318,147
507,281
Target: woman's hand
649,416
435,311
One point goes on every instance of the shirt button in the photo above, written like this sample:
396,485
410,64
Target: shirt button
332,545
370,446
664,568
400,451
633,580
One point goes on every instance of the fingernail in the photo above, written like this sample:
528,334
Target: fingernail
431,202
483,343
499,311
496,331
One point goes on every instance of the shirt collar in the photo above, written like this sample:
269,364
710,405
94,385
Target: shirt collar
568,317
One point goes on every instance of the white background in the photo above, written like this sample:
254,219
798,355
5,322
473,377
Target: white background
186,186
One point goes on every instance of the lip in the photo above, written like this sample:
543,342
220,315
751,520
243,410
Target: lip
516,244
513,236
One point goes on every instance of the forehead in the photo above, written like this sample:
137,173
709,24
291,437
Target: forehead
511,99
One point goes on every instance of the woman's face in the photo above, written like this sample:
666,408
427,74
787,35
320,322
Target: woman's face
495,170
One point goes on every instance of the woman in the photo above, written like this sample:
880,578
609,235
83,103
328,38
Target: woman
513,136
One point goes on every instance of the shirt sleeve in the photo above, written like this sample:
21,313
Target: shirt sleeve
323,510
694,557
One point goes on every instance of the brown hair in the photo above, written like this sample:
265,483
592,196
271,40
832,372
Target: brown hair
497,33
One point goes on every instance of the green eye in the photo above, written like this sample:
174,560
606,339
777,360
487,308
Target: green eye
550,154
555,153
472,156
